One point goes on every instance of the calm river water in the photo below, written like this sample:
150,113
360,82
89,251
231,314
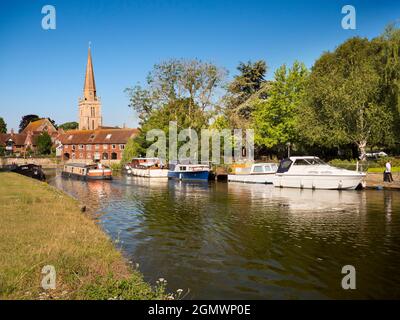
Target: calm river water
235,241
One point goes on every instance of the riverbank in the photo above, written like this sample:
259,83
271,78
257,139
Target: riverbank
375,181
42,226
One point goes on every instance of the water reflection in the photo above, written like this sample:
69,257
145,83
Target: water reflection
251,241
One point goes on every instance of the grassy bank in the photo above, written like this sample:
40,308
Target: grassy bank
381,170
40,226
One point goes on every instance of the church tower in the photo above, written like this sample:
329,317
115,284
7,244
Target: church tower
89,105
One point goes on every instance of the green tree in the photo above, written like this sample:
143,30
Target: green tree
342,104
44,143
275,119
69,126
248,84
26,120
175,80
3,126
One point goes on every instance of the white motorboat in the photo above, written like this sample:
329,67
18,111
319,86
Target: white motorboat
313,173
257,173
147,167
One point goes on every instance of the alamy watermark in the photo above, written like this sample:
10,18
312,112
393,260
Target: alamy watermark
349,20
213,145
49,20
49,279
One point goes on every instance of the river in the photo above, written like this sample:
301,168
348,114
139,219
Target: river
240,241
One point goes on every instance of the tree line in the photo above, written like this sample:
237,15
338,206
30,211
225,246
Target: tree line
345,104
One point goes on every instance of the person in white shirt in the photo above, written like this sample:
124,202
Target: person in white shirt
388,171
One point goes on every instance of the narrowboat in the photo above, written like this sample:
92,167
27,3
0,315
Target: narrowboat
30,170
313,173
87,171
147,167
189,172
257,173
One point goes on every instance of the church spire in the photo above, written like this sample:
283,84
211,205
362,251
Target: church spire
89,89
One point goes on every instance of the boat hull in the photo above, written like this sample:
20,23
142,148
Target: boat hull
148,173
334,182
193,175
252,178
85,177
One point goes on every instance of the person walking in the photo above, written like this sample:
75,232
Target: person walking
388,171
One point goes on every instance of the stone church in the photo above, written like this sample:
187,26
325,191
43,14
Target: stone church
93,141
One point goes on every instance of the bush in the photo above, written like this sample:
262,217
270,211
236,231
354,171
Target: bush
382,161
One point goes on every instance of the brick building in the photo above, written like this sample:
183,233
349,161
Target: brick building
99,144
20,143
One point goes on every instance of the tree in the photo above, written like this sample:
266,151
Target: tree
69,126
238,104
44,143
26,120
3,126
342,104
388,63
275,119
175,80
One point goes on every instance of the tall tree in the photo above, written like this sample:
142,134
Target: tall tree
3,126
175,80
342,99
275,119
240,91
26,120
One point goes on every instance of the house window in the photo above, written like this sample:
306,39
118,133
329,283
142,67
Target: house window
81,146
105,156
80,155
73,147
88,155
89,147
114,146
121,147
108,137
113,156
97,147
105,146
73,156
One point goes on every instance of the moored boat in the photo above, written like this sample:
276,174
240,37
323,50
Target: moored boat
147,167
30,170
189,172
313,173
256,173
87,171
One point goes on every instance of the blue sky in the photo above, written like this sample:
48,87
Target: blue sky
42,71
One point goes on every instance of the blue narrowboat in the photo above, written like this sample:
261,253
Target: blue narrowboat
189,172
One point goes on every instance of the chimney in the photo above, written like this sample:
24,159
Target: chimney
12,131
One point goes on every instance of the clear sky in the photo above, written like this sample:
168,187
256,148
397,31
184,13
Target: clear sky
42,71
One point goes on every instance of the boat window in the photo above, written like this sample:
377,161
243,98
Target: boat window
183,168
258,169
284,165
301,162
268,168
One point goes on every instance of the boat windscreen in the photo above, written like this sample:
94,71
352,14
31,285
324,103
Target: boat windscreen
284,165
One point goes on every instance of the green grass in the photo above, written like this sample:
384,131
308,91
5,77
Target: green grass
381,170
43,226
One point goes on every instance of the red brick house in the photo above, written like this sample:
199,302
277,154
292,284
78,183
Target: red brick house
93,145
19,143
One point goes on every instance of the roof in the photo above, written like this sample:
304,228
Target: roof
306,157
35,125
18,139
99,136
